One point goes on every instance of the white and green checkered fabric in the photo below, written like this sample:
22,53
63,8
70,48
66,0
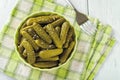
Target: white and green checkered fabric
99,46
91,51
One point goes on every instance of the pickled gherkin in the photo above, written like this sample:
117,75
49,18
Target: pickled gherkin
48,59
42,19
69,36
45,41
41,32
58,22
52,32
64,31
65,55
30,51
30,39
48,64
50,53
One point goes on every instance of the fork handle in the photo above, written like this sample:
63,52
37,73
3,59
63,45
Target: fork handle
70,3
81,17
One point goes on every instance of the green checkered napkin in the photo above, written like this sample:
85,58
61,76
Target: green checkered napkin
86,61
103,39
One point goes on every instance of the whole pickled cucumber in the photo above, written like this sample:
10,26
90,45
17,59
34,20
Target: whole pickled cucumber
64,31
52,32
42,19
69,36
30,39
58,22
48,59
50,53
64,56
46,64
41,32
30,52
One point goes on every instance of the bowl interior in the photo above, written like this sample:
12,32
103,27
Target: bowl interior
17,37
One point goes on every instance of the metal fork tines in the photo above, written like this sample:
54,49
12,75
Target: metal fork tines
86,25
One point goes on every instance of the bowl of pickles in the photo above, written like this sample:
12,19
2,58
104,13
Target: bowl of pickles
45,40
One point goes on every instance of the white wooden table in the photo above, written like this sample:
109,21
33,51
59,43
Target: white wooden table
107,11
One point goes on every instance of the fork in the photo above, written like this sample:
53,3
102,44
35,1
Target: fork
86,25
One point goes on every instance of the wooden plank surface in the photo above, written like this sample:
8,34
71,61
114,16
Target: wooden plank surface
106,11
